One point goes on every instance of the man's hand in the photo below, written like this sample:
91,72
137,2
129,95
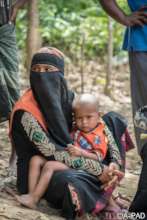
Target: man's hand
136,18
15,9
74,151
13,14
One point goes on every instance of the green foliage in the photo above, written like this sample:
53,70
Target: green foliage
21,29
72,24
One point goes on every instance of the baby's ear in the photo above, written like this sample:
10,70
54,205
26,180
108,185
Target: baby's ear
100,113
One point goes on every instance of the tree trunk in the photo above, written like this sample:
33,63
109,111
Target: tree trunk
107,89
33,35
82,63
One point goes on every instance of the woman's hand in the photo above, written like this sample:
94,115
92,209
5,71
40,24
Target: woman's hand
105,177
115,170
115,176
108,173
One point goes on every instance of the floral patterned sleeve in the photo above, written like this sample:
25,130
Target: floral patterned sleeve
112,147
37,135
42,141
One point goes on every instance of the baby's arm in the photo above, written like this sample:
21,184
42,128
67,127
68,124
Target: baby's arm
77,152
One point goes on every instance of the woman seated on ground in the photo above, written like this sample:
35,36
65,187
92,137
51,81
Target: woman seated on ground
40,125
90,142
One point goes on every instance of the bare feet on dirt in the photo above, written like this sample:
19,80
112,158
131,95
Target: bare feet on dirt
26,200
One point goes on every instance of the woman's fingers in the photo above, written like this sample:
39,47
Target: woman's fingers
115,178
106,176
119,174
104,186
112,182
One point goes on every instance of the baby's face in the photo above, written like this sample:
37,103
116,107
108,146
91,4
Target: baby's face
86,118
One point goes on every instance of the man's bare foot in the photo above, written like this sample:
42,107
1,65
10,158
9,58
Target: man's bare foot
26,200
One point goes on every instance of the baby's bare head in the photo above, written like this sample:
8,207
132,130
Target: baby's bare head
85,100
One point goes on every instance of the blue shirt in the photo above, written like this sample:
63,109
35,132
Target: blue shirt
136,37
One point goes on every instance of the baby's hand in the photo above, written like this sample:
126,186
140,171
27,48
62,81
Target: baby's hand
74,151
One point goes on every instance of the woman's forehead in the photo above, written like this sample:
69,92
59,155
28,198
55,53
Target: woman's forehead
41,65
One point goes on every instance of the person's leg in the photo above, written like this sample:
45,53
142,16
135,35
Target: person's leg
138,67
35,165
138,80
30,200
49,168
9,83
139,203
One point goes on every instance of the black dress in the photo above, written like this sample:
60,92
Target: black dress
66,184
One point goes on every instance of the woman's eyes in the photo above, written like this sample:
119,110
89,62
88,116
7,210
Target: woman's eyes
47,69
43,69
35,69
50,69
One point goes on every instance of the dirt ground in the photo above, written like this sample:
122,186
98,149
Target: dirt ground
119,101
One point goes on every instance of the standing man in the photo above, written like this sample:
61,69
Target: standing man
9,84
135,42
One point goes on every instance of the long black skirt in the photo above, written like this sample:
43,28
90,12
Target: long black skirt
86,187
73,191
